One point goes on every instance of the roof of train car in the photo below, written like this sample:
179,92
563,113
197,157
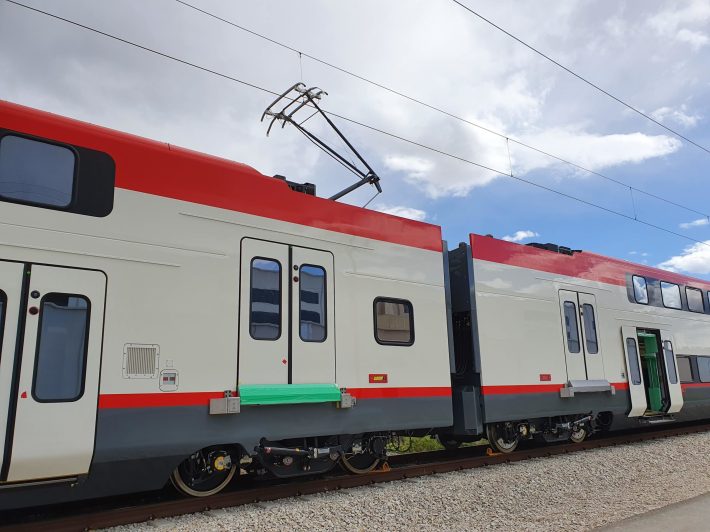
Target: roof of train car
583,265
161,169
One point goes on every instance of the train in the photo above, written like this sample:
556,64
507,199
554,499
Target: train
172,317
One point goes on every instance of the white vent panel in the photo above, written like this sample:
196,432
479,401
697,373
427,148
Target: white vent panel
141,361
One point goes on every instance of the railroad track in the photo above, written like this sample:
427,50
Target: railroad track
131,510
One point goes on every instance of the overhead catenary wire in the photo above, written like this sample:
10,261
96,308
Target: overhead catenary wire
439,110
583,79
361,124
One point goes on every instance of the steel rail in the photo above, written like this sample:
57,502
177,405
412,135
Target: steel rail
402,467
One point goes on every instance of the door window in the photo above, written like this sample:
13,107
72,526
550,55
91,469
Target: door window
590,329
3,304
571,328
60,363
312,304
265,303
632,354
670,362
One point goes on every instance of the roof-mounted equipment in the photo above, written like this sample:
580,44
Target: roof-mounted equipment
294,100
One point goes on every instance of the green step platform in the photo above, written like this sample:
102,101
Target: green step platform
285,394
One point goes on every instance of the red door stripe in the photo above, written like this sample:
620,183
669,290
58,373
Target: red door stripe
513,389
400,393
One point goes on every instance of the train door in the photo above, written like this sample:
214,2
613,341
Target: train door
49,369
581,336
286,329
675,392
637,387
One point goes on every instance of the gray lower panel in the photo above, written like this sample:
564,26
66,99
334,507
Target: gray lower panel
506,407
136,449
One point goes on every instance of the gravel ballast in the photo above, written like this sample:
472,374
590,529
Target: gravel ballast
578,491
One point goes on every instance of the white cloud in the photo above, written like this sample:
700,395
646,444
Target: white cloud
694,259
402,211
593,151
673,22
695,223
414,167
680,116
519,236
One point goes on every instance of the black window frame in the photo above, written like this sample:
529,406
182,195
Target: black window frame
251,299
575,313
75,174
702,302
397,301
645,285
94,184
680,298
39,344
3,312
325,302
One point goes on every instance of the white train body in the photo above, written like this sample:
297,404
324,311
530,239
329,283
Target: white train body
156,303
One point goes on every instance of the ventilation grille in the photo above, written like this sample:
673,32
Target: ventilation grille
140,361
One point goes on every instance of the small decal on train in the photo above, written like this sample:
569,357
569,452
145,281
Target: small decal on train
545,377
378,378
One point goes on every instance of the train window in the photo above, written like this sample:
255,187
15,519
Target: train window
671,295
571,328
695,299
590,329
312,303
640,289
60,363
265,303
670,362
684,369
704,369
394,321
36,172
632,354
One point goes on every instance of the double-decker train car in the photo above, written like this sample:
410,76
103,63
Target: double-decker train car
170,316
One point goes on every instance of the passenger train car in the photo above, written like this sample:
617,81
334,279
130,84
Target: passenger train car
170,316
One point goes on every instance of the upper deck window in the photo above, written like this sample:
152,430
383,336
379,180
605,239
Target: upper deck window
640,289
695,299
36,172
671,295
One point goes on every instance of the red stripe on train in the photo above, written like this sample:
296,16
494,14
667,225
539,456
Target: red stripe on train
514,389
152,400
157,168
584,265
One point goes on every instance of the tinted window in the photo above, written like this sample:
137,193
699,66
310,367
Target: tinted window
704,369
640,289
671,295
265,304
670,362
312,302
695,299
36,172
394,322
686,374
571,328
632,353
590,329
61,348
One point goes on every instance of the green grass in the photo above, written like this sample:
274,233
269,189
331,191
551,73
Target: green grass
423,444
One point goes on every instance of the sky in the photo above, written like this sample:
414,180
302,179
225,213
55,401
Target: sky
652,54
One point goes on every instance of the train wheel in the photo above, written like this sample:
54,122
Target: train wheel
449,442
579,435
204,473
359,463
502,437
